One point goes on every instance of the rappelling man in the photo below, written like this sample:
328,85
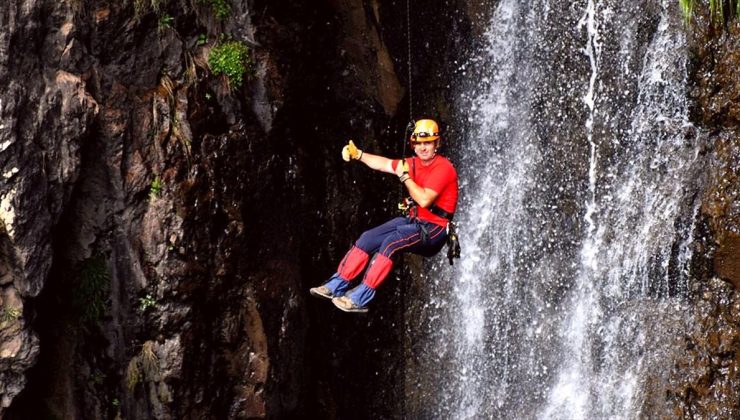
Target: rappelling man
431,182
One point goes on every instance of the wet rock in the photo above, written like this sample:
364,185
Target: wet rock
188,192
705,384
18,346
46,114
720,207
727,259
717,49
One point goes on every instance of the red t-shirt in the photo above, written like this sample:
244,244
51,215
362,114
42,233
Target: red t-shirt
439,176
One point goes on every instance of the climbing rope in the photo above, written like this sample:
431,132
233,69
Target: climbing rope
408,66
406,134
410,126
408,62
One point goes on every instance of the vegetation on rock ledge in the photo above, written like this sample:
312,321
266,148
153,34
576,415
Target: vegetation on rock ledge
91,293
221,8
231,59
718,9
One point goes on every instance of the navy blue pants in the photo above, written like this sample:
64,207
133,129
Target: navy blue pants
396,236
403,234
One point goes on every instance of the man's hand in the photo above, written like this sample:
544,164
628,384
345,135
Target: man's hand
350,151
402,168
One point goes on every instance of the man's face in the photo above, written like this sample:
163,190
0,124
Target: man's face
425,149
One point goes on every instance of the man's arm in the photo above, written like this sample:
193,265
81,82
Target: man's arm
421,195
377,162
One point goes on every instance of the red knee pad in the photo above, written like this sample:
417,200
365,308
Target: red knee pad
353,263
379,268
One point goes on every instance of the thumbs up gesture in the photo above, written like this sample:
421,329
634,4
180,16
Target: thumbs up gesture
350,151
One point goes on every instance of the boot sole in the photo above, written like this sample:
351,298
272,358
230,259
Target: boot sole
351,310
320,295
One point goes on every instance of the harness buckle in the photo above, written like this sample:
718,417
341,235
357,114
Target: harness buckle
406,205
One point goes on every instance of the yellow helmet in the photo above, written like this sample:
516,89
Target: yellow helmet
424,131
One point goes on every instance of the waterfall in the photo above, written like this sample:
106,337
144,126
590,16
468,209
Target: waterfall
579,175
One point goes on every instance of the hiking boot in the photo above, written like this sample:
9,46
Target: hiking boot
345,303
321,292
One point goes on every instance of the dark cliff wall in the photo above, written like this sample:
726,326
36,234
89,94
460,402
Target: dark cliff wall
161,226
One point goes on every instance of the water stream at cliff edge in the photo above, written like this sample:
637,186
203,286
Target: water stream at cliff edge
579,171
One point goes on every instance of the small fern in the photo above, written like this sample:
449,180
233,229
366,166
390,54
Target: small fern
232,59
155,189
165,21
147,302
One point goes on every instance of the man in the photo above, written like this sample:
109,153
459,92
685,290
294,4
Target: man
431,181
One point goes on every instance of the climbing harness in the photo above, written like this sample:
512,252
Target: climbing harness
409,208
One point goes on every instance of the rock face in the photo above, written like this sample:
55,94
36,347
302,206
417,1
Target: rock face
154,256
154,261
43,125
718,108
705,377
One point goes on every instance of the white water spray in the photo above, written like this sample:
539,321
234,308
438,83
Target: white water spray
593,52
577,216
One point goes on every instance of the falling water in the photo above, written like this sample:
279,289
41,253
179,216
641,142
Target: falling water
579,174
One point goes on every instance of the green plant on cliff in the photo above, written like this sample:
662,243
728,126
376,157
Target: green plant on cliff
687,7
116,408
165,21
232,59
147,302
91,294
141,7
8,315
155,189
221,8
717,10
